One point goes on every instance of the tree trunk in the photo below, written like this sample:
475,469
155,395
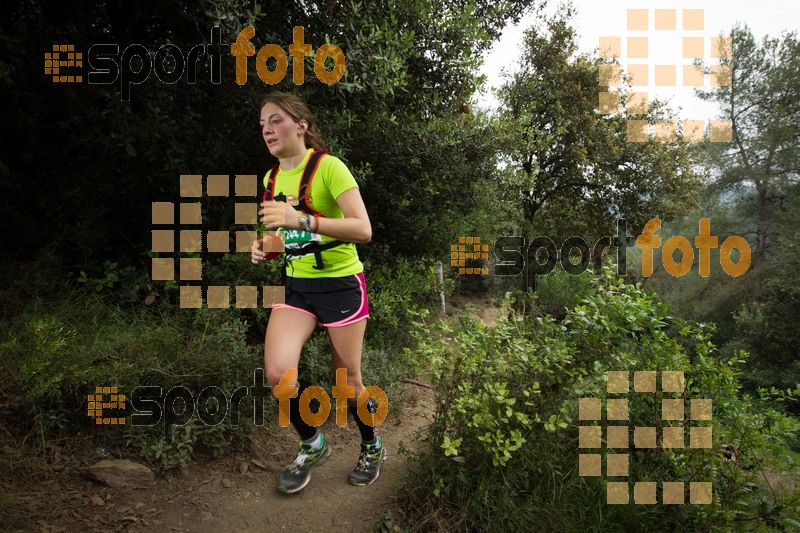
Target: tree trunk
528,284
761,236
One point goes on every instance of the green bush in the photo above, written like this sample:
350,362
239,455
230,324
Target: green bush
396,291
82,343
767,328
61,345
559,291
502,452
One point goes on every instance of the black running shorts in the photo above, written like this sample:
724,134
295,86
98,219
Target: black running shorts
334,302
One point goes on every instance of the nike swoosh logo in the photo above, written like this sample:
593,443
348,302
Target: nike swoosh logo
343,312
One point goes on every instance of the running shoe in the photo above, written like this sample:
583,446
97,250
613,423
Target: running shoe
298,474
369,463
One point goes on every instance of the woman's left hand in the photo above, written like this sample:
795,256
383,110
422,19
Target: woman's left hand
279,215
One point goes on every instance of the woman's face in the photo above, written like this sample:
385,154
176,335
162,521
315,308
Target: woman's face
284,137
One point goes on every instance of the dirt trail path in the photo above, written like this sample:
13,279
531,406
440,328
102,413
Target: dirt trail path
220,495
201,502
217,495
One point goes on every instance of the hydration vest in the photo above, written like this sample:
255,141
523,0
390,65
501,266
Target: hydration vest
303,205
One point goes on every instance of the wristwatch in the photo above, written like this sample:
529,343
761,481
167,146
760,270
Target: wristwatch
303,221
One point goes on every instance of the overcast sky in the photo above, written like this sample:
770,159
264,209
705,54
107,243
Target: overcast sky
596,18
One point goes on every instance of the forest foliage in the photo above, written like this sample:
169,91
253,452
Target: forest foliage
81,165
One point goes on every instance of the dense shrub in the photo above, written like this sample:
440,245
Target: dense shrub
397,289
62,344
502,453
767,328
559,291
60,356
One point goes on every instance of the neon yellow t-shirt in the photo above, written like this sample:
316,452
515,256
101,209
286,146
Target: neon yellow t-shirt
331,179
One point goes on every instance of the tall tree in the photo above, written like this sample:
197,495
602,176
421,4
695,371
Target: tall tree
394,116
575,169
763,104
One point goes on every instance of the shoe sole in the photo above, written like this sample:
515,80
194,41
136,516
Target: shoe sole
322,460
378,473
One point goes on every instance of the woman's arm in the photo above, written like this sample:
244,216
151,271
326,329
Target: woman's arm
354,227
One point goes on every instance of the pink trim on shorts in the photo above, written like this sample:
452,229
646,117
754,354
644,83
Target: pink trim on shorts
285,306
363,309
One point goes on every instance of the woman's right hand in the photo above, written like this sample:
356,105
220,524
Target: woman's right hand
256,254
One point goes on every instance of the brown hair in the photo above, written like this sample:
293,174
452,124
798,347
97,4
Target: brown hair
298,110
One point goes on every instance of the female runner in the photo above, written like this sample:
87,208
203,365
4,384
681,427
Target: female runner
324,277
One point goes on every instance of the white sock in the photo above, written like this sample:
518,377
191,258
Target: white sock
315,442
